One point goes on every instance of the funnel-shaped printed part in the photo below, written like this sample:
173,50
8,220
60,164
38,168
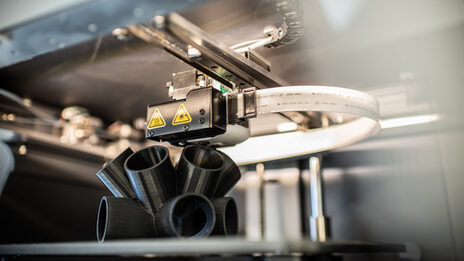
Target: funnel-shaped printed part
229,177
114,176
187,216
123,218
152,176
226,216
199,170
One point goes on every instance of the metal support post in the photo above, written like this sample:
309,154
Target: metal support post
318,223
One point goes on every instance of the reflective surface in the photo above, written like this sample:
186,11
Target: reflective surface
405,184
123,74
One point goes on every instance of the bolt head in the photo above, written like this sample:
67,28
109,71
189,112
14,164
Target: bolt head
120,33
158,21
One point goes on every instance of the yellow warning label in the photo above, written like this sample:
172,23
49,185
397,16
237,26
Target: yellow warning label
157,120
182,116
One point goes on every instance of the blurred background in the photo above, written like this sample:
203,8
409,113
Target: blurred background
404,185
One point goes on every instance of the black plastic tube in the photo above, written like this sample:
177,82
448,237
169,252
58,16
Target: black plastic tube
226,216
114,176
123,218
186,216
152,176
229,177
199,170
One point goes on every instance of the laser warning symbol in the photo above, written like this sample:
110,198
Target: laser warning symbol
157,120
182,116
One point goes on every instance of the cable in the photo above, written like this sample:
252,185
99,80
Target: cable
362,106
35,111
317,98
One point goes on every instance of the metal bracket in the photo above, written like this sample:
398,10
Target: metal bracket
202,51
246,103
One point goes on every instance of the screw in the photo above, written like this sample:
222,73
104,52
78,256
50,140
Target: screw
202,120
159,21
151,133
92,28
202,112
186,128
120,33
22,150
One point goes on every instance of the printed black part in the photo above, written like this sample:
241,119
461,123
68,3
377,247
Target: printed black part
199,170
188,215
226,216
229,177
152,176
123,218
114,176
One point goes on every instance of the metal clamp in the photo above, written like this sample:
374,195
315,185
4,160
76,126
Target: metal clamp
246,103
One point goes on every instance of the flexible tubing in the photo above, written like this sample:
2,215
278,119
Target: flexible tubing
308,98
317,98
